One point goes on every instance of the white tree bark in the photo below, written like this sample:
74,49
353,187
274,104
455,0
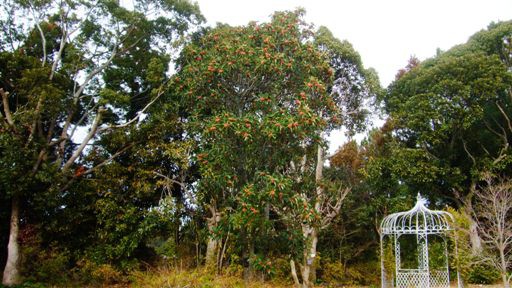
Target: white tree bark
11,273
212,246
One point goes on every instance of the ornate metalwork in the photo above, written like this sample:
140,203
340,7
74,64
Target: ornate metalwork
422,222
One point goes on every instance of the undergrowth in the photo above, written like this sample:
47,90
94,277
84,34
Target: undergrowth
162,278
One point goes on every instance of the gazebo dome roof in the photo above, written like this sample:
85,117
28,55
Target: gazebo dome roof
418,220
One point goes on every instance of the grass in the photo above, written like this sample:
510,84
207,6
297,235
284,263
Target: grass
162,278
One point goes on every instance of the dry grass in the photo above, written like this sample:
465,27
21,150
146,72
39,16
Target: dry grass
176,278
162,278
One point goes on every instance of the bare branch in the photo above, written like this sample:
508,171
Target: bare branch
509,124
106,161
7,110
467,152
139,114
86,140
493,209
41,33
181,183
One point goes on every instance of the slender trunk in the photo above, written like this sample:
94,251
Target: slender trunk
320,195
11,271
294,274
314,263
222,253
503,269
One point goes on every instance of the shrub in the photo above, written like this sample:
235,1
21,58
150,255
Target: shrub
282,269
46,266
483,274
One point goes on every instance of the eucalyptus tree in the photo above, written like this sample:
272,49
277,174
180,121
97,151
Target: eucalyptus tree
70,66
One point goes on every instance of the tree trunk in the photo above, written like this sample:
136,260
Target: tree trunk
504,277
503,269
211,250
212,245
320,195
308,267
294,274
11,271
474,237
476,242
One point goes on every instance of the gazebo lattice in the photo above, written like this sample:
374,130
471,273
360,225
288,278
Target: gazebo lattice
424,224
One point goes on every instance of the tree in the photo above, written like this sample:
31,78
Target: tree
451,115
54,73
251,91
259,105
351,90
493,211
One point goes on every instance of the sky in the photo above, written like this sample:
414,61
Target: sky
386,33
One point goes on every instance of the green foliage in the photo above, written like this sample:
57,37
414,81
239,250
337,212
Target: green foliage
446,112
460,243
64,72
48,265
483,274
335,273
257,97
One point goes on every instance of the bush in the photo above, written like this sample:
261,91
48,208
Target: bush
47,266
235,268
483,274
333,272
99,273
282,269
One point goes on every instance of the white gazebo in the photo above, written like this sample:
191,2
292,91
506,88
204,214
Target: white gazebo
422,227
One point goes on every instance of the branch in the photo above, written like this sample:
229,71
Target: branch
106,161
139,114
7,110
182,184
333,211
464,144
58,57
41,33
86,140
94,73
509,124
37,111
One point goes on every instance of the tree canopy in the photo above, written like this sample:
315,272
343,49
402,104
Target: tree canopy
133,138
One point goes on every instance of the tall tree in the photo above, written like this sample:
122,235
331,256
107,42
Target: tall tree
250,90
260,102
54,83
452,115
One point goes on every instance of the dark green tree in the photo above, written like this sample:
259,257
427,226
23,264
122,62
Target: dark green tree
452,115
60,74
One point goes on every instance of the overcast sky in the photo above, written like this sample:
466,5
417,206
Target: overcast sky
385,32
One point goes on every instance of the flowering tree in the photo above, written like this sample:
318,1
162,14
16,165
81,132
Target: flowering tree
260,98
